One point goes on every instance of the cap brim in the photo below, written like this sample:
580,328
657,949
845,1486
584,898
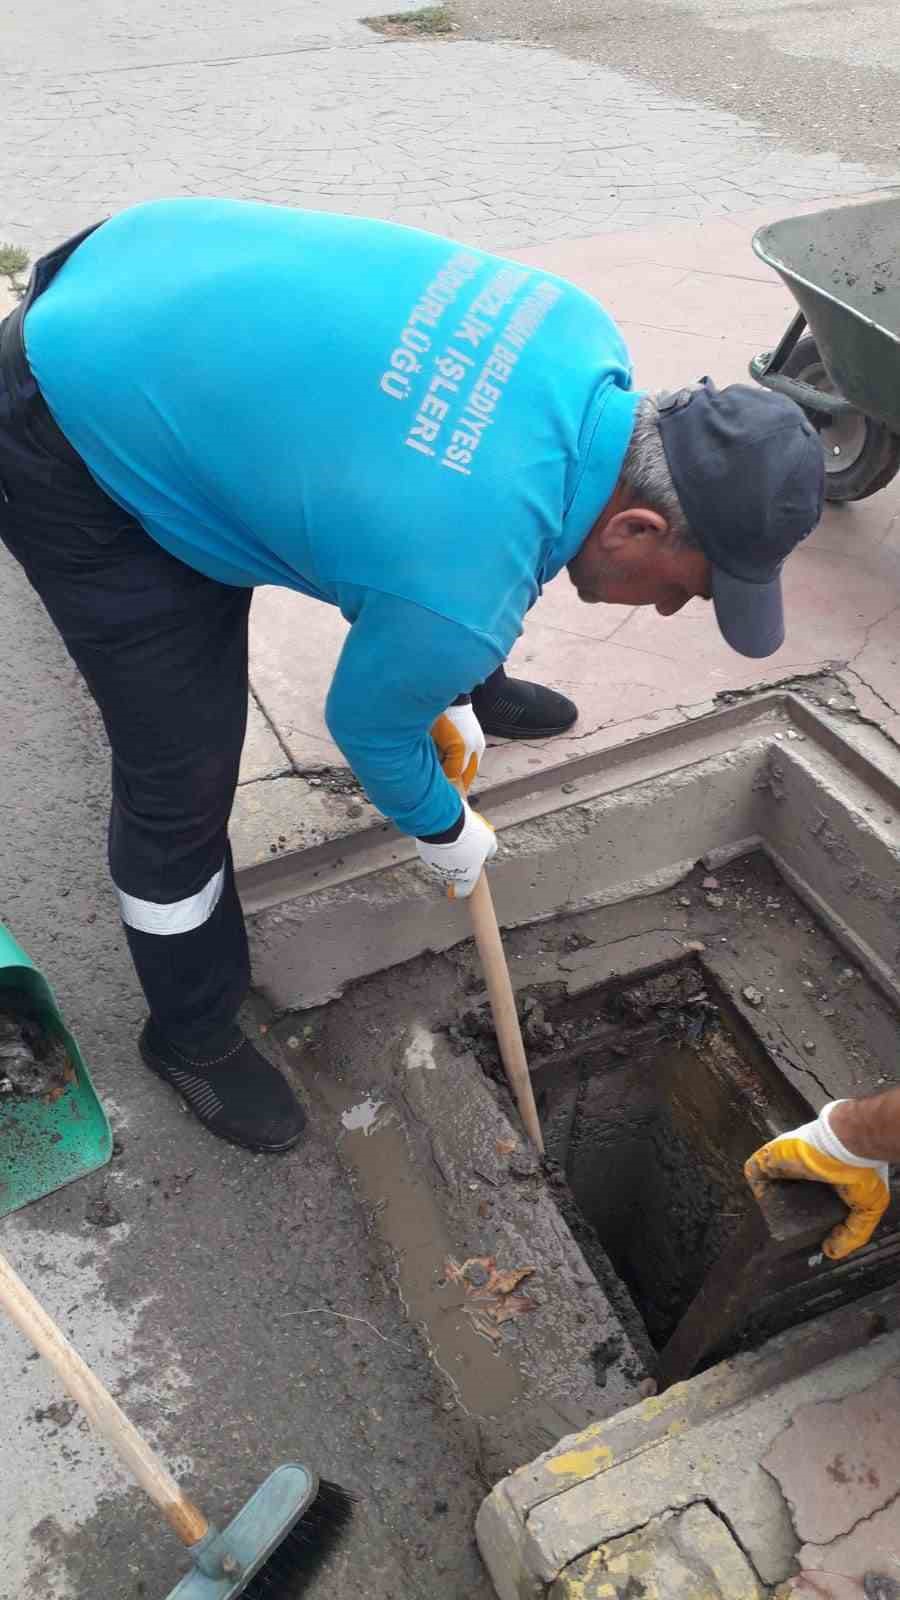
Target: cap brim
750,615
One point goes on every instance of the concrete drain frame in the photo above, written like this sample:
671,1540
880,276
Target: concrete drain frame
817,792
602,893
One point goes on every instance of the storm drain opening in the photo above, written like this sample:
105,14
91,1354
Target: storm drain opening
650,1118
668,1036
649,1113
654,1090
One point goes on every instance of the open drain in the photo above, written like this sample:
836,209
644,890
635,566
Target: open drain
650,1115
660,1092
653,1088
668,1037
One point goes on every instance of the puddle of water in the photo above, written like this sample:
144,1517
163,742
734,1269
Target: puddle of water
362,1118
409,1219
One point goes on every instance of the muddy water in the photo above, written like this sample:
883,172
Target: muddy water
374,1146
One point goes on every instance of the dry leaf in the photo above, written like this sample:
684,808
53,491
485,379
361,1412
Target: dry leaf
513,1306
481,1323
494,1301
506,1282
456,1273
505,1147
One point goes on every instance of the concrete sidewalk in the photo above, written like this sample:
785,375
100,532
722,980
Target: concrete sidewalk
305,106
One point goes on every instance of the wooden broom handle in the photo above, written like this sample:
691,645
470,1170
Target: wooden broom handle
99,1406
503,1006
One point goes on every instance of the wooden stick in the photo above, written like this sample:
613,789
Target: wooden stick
503,1006
99,1407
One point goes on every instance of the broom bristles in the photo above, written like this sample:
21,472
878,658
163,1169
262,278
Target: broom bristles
304,1547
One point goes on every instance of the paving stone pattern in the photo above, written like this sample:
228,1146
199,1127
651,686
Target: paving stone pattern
498,144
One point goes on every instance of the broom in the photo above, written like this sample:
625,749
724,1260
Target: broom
277,1539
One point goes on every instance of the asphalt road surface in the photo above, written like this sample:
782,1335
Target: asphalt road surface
820,75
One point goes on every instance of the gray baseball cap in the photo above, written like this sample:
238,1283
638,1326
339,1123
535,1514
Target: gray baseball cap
749,471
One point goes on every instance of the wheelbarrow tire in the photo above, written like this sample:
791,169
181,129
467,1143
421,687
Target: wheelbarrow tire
875,448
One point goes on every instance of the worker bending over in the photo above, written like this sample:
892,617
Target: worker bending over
200,396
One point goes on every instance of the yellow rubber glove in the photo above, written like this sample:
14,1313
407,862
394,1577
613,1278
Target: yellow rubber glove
815,1153
460,742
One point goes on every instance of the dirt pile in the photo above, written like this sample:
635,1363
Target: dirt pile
33,1064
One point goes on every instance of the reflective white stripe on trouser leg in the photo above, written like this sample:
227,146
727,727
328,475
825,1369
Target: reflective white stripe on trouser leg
182,916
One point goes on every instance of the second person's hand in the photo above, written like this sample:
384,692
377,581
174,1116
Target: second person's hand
816,1154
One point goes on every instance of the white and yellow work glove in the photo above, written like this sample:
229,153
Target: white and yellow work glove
460,744
458,865
815,1153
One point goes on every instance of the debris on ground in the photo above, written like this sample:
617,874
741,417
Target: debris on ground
33,1064
605,1355
60,1413
753,996
491,1296
100,1211
337,780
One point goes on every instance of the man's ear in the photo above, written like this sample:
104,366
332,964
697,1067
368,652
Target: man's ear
632,523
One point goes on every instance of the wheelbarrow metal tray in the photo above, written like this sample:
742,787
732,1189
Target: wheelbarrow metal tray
48,1141
843,268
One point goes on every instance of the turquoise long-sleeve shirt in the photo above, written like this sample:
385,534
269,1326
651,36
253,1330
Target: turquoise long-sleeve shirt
417,432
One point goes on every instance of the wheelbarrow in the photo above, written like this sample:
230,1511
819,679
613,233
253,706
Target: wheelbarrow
843,268
49,1139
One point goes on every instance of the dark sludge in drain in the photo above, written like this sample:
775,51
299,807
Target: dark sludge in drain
652,1092
649,1119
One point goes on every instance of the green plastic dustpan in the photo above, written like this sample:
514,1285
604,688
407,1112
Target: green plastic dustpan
45,1144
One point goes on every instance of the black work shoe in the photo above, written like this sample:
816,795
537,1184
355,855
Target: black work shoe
237,1094
512,708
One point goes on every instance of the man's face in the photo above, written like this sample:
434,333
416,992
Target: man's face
630,559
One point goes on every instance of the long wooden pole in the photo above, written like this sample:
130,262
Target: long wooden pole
503,1007
99,1407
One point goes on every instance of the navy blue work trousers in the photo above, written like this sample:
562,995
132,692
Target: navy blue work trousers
163,651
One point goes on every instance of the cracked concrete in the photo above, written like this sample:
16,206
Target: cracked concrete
539,1526
678,1554
838,1467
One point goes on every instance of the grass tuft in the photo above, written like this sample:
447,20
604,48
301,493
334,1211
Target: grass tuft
13,261
428,20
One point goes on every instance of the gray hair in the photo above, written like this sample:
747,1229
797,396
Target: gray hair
645,471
